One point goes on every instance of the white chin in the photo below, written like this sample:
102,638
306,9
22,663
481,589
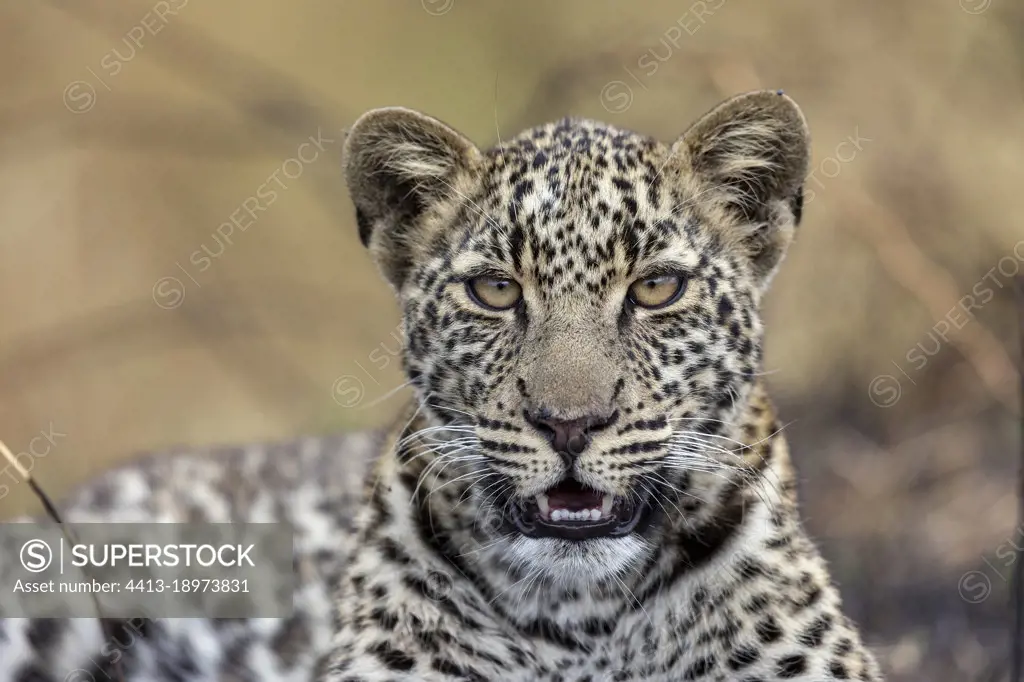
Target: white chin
578,562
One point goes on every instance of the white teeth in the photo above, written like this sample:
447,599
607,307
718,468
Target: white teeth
542,504
581,515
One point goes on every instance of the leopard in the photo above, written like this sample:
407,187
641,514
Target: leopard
590,482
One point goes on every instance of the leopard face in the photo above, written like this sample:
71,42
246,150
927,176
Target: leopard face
580,306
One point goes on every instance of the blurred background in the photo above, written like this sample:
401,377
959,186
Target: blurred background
179,263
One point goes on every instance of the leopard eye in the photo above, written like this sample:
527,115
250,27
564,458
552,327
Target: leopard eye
494,293
657,291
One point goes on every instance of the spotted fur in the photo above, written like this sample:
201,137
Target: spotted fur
433,583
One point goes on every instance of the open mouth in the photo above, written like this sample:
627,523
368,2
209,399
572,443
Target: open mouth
571,511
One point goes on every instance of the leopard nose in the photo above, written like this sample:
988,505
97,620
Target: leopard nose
569,437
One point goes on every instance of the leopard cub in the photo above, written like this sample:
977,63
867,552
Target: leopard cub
590,483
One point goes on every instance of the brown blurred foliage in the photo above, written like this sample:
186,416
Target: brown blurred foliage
132,132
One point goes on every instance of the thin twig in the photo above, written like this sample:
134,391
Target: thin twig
51,511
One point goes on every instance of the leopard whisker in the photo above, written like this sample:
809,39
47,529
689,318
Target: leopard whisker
675,489
444,461
479,474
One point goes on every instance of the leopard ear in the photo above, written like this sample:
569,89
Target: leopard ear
398,164
755,149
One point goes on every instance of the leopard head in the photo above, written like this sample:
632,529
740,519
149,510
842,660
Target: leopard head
581,316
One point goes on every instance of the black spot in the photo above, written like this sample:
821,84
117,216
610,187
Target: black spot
725,309
394,659
700,668
393,552
452,669
838,670
385,619
815,633
43,633
768,630
792,666
843,647
742,657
